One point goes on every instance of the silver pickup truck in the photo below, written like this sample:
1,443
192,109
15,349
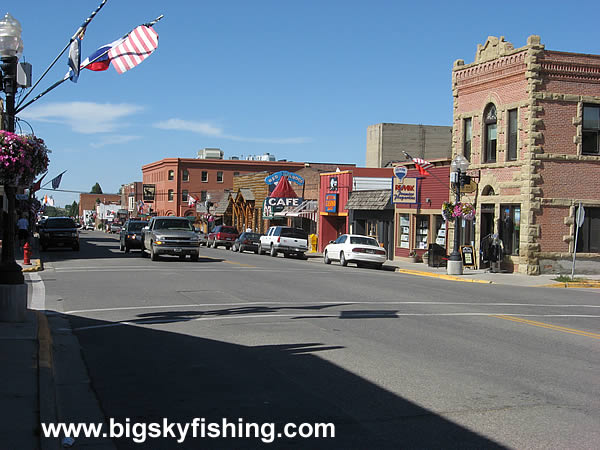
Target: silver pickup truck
170,236
286,240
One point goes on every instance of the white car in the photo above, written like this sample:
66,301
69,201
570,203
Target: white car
362,250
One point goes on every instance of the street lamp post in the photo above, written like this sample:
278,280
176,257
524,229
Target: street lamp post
13,291
458,170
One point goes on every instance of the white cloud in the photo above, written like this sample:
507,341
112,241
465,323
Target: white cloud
207,129
114,140
83,117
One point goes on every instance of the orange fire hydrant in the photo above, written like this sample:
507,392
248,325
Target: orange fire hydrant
26,254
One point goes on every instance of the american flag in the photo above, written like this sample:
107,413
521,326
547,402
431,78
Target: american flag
136,47
421,164
191,200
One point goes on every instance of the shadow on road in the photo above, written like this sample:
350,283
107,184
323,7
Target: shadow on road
147,374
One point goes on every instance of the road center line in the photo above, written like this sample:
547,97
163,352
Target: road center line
548,326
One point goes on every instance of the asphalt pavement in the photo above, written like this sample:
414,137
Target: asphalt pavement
392,359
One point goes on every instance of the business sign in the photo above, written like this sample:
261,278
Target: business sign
400,172
274,205
405,191
333,183
149,191
275,177
331,203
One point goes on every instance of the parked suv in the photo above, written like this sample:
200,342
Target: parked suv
222,235
170,236
286,240
59,232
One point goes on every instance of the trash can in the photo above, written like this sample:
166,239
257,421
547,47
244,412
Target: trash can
437,255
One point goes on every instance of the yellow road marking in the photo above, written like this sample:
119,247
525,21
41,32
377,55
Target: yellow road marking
548,326
239,264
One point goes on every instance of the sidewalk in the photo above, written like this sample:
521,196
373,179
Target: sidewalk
476,275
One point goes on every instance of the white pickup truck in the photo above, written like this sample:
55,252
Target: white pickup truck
286,240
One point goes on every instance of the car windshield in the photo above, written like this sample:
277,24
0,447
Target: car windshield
229,230
294,233
136,226
363,241
173,224
59,223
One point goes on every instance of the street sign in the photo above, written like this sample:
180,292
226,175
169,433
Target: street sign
580,216
469,188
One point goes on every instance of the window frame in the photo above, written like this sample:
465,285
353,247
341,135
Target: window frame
204,177
490,155
515,238
467,133
170,195
220,172
170,175
185,175
590,131
512,135
184,195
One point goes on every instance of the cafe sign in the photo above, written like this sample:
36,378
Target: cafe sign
274,205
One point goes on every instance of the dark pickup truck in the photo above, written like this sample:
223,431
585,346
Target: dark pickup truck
59,232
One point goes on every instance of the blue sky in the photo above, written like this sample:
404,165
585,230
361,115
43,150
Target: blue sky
301,80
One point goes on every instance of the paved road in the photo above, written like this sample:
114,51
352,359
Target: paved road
393,360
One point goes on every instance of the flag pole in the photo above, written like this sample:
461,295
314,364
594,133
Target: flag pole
66,77
77,34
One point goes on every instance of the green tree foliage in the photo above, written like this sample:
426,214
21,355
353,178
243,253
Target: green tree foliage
96,189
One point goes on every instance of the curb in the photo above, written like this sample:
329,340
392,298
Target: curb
46,389
442,276
590,284
38,266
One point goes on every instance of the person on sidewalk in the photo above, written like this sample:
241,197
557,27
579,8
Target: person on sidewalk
23,230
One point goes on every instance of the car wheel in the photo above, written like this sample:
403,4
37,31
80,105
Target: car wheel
153,254
256,252
260,250
194,258
326,259
343,261
273,252
241,249
127,249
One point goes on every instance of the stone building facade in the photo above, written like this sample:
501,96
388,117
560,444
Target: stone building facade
528,120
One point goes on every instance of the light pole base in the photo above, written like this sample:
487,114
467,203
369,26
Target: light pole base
454,268
13,302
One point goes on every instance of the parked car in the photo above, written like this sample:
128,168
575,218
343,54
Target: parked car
131,235
114,228
170,235
59,232
287,240
222,235
246,241
362,250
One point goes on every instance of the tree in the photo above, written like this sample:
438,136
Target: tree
96,189
73,209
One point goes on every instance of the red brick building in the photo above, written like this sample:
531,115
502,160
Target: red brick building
528,120
173,180
87,202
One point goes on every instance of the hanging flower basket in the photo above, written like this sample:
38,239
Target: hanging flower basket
451,211
22,158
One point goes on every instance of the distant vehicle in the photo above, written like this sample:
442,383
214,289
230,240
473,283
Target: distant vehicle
222,235
89,226
287,240
59,232
246,241
131,235
362,250
114,228
170,235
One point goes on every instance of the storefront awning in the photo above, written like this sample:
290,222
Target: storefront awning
307,209
370,200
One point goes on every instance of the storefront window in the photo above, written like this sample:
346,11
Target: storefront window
588,240
371,228
403,231
510,228
440,231
422,232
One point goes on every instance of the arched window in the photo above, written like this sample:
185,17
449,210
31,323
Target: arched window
491,134
488,190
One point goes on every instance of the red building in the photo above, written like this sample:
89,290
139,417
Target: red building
170,182
335,190
418,204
